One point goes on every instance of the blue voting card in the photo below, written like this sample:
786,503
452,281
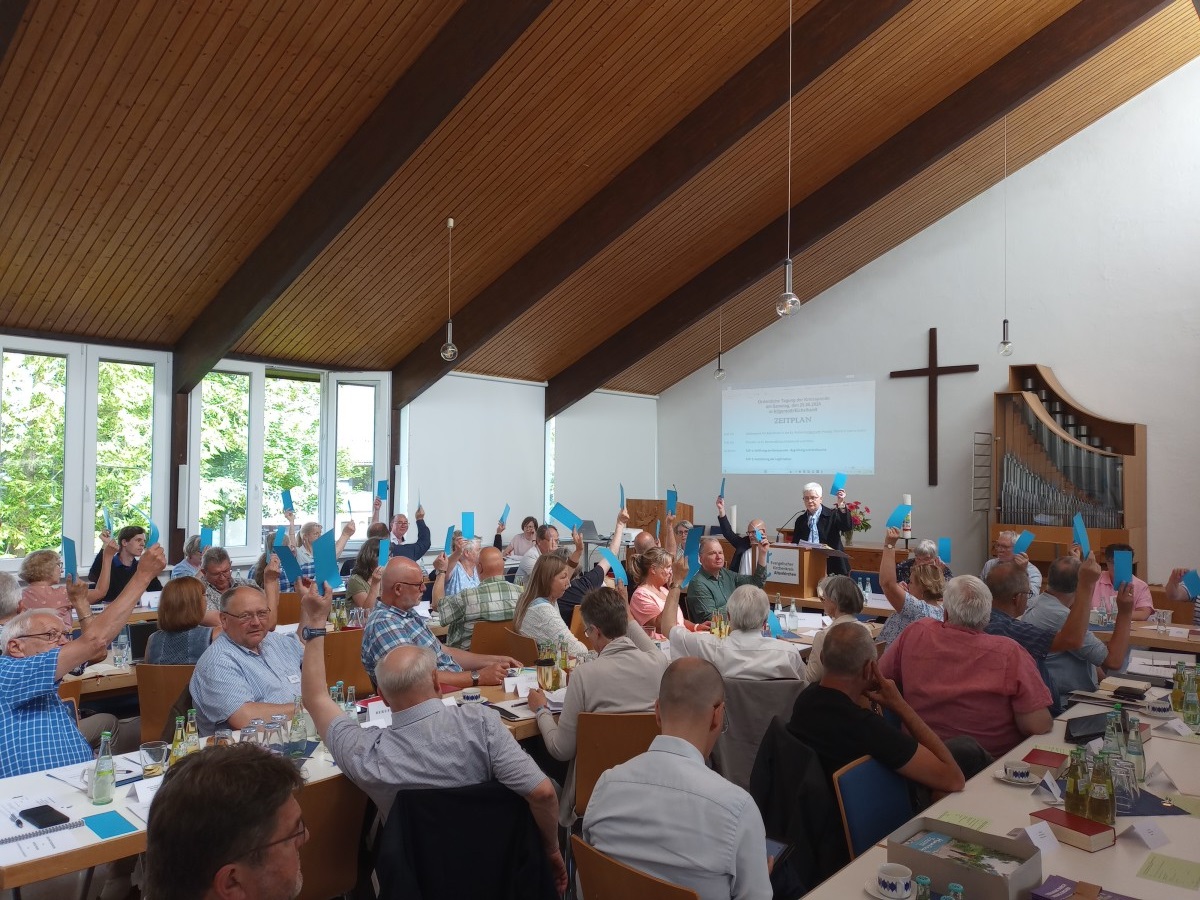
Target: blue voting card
70,559
1024,539
280,534
109,824
206,537
152,536
288,562
349,511
449,548
692,549
618,570
773,624
899,514
839,482
107,519
468,526
622,487
722,494
944,550
287,500
381,489
1191,581
1081,536
657,525
672,502
504,515
1122,568
569,520
758,535
325,559
385,552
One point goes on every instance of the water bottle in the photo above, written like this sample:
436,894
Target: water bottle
297,732
1134,751
104,775
1112,743
1191,704
191,735
351,701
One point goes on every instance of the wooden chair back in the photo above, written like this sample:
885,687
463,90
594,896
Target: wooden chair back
577,628
498,638
604,740
873,801
604,878
333,810
289,609
343,660
70,692
158,688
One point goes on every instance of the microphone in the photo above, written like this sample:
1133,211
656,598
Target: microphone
790,520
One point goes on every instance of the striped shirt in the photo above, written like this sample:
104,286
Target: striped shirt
389,627
228,676
493,600
37,731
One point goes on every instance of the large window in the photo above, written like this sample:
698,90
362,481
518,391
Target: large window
258,431
78,438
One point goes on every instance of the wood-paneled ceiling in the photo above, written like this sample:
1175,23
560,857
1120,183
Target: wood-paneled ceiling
272,179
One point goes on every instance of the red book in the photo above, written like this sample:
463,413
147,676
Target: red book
1045,760
1076,830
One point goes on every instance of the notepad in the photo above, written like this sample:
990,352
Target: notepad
1171,870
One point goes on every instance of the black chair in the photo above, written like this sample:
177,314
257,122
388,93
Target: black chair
416,860
795,799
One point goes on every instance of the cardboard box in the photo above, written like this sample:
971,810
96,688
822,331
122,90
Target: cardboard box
977,885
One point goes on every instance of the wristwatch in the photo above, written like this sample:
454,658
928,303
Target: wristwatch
310,633
474,678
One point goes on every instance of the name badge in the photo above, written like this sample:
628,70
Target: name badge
294,679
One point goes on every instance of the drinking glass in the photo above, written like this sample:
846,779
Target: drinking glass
249,735
222,737
273,737
1162,620
154,758
549,675
120,651
1125,786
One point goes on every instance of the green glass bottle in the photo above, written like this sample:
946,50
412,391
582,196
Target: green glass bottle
104,775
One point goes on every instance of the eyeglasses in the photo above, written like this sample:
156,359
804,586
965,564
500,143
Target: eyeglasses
222,573
261,614
1028,595
52,637
283,840
419,584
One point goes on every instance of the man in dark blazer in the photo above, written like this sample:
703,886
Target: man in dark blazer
829,525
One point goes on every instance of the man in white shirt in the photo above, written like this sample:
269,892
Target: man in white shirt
546,542
666,813
745,653
1004,554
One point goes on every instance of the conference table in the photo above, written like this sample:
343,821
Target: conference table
996,807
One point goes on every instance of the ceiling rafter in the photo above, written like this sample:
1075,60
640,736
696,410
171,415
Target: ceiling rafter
1063,45
464,50
823,36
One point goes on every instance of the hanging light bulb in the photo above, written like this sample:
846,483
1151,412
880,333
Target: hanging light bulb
719,374
1006,346
449,352
788,302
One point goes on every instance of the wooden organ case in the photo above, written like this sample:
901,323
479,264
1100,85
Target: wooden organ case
1053,459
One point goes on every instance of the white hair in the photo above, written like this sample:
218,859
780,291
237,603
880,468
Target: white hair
747,608
10,595
967,602
926,548
405,671
21,625
813,488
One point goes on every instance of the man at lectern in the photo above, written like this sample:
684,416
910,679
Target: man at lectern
821,525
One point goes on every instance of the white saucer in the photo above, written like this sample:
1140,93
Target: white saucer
1157,715
1001,775
873,889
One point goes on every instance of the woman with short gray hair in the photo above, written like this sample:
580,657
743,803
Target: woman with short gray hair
842,601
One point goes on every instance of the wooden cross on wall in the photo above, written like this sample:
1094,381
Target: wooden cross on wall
932,371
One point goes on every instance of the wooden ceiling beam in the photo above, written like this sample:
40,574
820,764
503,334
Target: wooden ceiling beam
1058,48
11,14
825,34
462,52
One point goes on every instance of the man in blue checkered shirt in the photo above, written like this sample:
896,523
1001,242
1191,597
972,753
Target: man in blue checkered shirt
37,730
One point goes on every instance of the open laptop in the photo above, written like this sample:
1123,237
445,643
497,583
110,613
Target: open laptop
589,532
139,636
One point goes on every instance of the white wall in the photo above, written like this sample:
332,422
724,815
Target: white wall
605,440
1103,286
474,444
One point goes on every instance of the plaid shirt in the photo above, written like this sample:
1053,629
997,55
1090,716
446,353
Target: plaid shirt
36,729
493,600
389,627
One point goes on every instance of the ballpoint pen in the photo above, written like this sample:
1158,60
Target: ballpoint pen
16,820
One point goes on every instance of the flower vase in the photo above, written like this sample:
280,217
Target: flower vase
847,538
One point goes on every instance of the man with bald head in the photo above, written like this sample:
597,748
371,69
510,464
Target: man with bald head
666,813
248,672
492,600
395,621
741,562
424,734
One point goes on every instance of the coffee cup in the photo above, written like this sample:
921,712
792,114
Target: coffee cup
1016,770
1161,706
471,695
894,881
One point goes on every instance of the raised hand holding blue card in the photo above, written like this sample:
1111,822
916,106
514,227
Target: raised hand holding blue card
288,562
899,514
1081,536
152,537
70,560
1191,581
325,559
286,495
107,520
618,570
839,482
622,487
206,537
1021,544
722,494
385,552
449,540
504,515
692,550
468,526
569,520
944,550
381,489
672,502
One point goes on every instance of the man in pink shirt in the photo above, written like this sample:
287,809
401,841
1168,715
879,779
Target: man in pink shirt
961,681
1143,603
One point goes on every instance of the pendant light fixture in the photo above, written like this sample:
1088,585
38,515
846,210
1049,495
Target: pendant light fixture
1005,347
719,374
788,303
449,351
